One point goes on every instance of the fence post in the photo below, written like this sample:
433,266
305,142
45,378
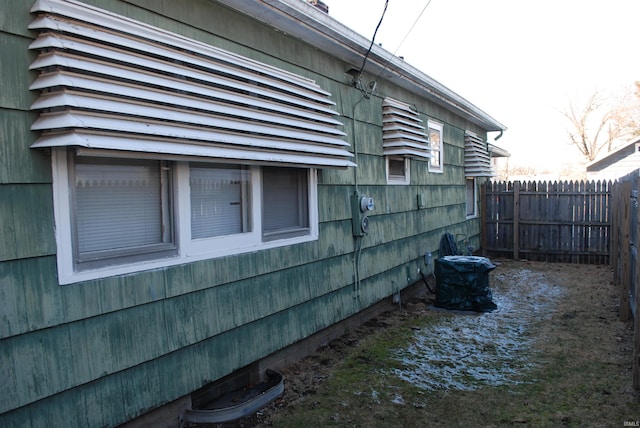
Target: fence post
636,321
516,220
634,283
625,225
614,237
483,223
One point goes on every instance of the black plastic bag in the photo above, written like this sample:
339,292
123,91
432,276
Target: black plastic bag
462,283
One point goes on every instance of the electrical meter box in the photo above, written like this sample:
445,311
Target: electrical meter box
360,207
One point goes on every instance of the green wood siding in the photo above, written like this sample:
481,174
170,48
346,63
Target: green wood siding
102,352
27,221
18,163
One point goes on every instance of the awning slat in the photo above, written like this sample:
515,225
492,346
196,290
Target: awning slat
63,121
113,145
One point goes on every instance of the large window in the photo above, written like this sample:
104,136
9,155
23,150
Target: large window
121,215
436,142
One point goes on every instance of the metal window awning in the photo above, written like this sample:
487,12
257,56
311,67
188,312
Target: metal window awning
112,83
477,159
402,131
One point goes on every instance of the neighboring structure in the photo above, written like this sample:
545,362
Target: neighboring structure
499,161
180,195
616,164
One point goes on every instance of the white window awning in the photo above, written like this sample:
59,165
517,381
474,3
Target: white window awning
402,132
112,83
477,160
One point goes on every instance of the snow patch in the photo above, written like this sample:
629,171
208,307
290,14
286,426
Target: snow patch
468,351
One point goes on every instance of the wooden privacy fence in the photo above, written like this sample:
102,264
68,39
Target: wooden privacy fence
547,221
575,222
625,230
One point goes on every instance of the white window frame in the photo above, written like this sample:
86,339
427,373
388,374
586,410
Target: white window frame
396,179
474,202
188,250
439,153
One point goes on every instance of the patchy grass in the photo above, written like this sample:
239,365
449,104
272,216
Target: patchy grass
573,368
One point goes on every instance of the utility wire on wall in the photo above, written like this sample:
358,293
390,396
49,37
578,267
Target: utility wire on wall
358,82
372,85
373,39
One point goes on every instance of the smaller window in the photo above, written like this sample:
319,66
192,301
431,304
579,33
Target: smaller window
285,212
471,198
219,200
436,143
398,170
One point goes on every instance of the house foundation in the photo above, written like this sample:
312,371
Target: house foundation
168,416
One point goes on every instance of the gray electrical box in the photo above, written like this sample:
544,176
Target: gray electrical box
360,207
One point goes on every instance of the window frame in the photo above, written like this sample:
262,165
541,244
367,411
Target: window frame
187,249
474,195
439,153
397,179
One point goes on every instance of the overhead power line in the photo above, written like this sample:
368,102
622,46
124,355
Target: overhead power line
403,39
373,39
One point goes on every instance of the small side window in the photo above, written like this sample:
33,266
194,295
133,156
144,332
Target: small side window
436,163
472,205
285,202
398,170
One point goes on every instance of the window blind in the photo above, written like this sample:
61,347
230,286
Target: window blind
118,208
219,204
285,201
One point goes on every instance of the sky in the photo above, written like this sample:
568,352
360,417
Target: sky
521,62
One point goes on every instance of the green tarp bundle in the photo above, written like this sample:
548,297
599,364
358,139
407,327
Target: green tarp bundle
462,283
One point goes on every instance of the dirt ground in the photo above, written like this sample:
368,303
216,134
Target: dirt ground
553,354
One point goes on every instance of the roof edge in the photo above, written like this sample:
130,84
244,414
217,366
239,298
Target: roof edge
311,25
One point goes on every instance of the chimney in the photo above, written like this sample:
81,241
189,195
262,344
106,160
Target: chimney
319,4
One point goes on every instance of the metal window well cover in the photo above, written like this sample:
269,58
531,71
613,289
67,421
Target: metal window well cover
237,404
462,283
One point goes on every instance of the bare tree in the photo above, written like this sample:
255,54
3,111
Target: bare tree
627,113
518,171
589,123
602,122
